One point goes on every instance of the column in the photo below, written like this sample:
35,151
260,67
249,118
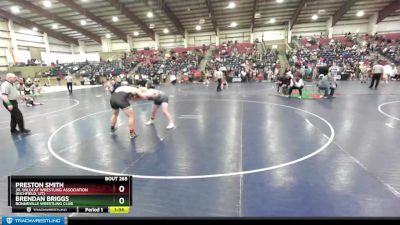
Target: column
251,37
106,44
329,27
46,44
48,59
14,45
73,52
81,47
372,23
289,33
185,40
217,37
130,42
156,41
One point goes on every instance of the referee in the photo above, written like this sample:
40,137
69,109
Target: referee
69,80
9,94
219,76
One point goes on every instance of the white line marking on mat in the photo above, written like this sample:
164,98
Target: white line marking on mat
388,186
330,139
44,159
389,125
381,111
308,122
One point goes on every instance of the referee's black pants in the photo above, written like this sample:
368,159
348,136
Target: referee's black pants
376,77
219,84
16,116
69,86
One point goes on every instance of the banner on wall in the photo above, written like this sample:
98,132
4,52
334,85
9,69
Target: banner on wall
35,53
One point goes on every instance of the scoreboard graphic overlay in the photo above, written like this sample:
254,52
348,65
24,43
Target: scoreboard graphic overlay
78,194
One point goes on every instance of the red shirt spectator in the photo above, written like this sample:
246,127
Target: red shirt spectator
197,74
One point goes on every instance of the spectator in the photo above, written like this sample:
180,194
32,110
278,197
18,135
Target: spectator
283,83
324,85
393,72
172,78
334,70
296,83
387,70
363,72
333,85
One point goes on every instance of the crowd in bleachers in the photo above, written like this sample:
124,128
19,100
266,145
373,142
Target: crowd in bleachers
350,53
387,44
154,65
237,59
62,69
244,60
92,69
185,62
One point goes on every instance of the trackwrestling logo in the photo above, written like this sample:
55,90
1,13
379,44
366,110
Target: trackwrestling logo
33,220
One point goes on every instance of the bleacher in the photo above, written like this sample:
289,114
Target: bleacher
314,43
387,44
242,57
185,60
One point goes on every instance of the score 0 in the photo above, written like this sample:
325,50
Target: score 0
121,190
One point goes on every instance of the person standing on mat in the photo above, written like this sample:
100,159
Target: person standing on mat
332,85
69,80
172,78
377,72
9,95
120,99
363,72
219,76
334,70
160,98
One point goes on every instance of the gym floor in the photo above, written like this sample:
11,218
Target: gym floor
242,152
